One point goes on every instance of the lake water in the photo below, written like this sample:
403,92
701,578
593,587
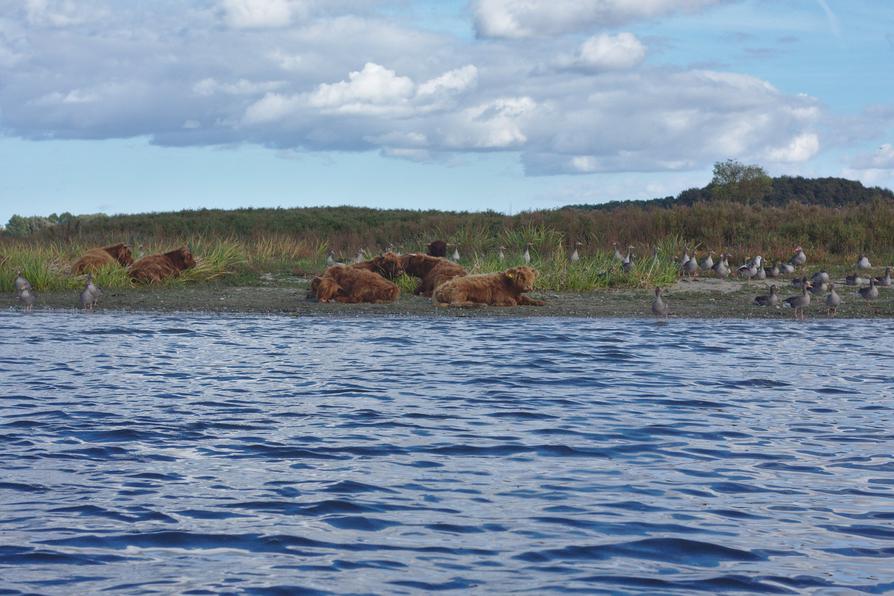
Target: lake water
263,455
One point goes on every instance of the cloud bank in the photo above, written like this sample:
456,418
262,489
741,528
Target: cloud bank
338,75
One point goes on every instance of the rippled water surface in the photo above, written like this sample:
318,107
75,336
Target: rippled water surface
200,454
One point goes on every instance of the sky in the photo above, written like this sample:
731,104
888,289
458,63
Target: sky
510,105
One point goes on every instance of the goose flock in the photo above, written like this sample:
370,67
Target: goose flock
819,285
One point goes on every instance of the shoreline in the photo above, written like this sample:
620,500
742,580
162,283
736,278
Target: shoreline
701,299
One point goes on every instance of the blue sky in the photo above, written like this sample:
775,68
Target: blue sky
487,104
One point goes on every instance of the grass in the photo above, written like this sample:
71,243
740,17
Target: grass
237,260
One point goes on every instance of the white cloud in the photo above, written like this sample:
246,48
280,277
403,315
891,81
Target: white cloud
210,86
533,18
60,13
258,13
883,159
800,148
610,52
451,82
369,89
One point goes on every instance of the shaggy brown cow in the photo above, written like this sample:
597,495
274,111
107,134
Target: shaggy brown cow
437,248
388,265
96,258
342,283
155,268
497,289
432,271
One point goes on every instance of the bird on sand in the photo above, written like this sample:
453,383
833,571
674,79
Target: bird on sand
800,301
833,300
770,300
870,292
90,294
659,306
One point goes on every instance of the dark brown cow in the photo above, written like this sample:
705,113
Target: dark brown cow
96,258
342,283
155,268
432,271
437,248
497,289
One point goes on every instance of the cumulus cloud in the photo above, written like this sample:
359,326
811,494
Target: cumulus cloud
606,52
530,18
882,159
259,13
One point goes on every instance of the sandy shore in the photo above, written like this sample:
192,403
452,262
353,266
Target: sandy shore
704,298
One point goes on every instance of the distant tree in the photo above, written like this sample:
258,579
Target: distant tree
735,181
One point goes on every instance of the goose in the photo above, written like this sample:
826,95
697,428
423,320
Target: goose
863,262
854,280
627,263
330,258
502,255
659,306
708,262
455,256
760,274
820,277
26,297
773,272
360,257
690,267
884,280
721,268
771,300
833,300
799,258
786,268
617,254
141,251
799,282
21,282
685,258
818,287
575,256
749,269
870,292
90,294
800,301
526,257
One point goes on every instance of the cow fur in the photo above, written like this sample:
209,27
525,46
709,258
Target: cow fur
387,265
347,284
437,248
155,268
96,258
431,271
497,289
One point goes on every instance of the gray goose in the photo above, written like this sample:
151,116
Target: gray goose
773,272
854,280
749,269
455,256
870,292
884,280
708,262
502,255
21,282
659,306
833,300
526,257
575,256
800,301
721,268
799,258
627,263
26,297
330,258
90,294
618,256
690,267
771,300
863,262
786,268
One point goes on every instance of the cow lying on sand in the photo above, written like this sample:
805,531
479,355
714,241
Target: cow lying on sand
155,268
432,271
96,258
497,289
342,283
387,265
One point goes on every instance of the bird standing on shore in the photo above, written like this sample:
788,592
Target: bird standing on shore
773,272
799,258
627,262
526,257
90,294
618,256
870,292
21,282
659,306
833,300
575,256
690,267
721,268
771,300
708,262
801,301
27,298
